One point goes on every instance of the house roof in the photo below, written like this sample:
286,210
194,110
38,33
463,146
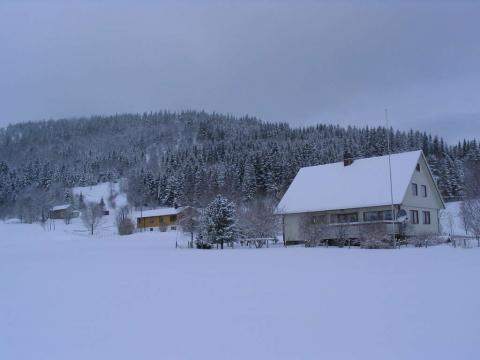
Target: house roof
160,212
364,183
61,207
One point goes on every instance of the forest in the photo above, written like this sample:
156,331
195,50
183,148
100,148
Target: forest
187,158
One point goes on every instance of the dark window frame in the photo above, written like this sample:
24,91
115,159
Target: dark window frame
414,217
346,218
424,190
414,189
319,219
381,215
426,217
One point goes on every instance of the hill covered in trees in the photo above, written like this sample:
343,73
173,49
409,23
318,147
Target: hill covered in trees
187,158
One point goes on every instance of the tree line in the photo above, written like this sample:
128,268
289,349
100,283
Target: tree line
187,158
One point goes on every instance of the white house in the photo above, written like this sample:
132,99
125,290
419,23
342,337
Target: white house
356,193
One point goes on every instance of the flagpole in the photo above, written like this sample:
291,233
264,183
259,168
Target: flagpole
391,183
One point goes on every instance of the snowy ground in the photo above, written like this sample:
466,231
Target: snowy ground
451,220
66,295
106,191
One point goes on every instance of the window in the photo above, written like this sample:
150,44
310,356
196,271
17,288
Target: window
372,215
387,215
377,215
346,218
426,217
414,189
418,167
319,219
414,216
424,190
173,228
173,218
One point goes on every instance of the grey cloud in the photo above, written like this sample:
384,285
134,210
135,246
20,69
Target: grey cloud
297,62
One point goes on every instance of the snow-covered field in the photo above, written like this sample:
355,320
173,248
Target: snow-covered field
67,295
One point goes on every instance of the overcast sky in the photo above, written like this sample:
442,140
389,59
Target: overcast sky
299,62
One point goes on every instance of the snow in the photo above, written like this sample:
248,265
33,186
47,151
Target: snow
451,220
68,295
364,183
103,190
160,212
61,207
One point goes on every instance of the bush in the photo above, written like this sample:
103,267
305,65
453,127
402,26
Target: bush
125,227
377,243
203,245
425,240
374,236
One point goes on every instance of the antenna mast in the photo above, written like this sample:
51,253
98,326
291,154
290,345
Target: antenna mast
391,184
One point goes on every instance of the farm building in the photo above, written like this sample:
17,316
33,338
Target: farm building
63,212
349,197
163,219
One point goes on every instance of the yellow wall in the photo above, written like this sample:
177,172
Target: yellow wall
156,221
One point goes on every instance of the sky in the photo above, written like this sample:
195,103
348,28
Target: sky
300,62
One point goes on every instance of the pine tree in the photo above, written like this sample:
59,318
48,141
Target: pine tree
81,202
219,221
249,183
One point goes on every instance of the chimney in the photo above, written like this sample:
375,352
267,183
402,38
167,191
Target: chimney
347,159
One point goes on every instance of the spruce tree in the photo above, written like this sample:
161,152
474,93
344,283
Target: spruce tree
219,221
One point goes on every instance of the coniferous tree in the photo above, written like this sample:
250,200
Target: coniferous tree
219,221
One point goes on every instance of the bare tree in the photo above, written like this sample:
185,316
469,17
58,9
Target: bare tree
68,215
92,215
314,229
470,208
125,224
258,222
340,231
189,221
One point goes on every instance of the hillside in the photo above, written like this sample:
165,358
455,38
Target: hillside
185,158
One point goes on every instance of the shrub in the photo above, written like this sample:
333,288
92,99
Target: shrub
125,226
203,245
425,240
377,243
375,237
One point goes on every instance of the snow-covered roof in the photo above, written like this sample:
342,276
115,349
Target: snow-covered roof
160,212
364,183
61,207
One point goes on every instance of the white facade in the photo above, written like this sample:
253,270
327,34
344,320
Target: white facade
414,189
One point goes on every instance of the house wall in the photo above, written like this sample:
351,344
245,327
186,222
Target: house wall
431,203
293,223
157,222
59,214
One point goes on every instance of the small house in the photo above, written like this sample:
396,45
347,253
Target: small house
163,218
350,197
63,212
